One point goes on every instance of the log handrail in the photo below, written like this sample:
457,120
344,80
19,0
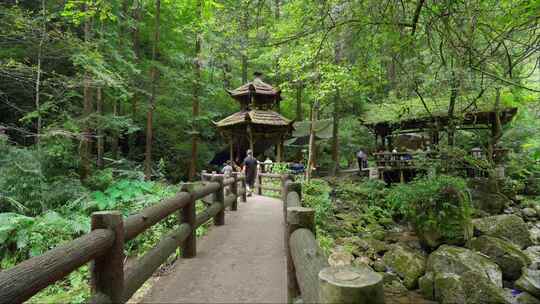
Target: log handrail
307,266
103,246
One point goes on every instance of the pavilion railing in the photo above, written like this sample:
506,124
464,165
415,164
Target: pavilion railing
111,282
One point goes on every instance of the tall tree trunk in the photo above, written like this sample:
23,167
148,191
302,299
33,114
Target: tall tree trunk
312,144
135,36
451,108
226,75
154,75
245,39
115,140
87,111
496,126
335,133
277,13
299,89
38,76
100,138
196,95
123,28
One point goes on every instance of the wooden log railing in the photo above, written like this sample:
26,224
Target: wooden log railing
308,274
259,187
104,245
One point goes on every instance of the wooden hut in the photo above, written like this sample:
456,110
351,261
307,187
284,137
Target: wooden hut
256,125
429,118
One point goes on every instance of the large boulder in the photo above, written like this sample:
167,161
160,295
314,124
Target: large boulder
533,253
520,297
458,260
504,253
506,226
479,290
451,275
486,196
529,281
409,264
535,235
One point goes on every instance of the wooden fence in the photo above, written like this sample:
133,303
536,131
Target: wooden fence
104,245
308,274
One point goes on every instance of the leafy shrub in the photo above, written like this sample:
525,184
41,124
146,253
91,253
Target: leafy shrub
439,204
122,192
370,191
31,236
316,195
25,187
100,180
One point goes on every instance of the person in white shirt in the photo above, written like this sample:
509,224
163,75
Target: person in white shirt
268,165
227,169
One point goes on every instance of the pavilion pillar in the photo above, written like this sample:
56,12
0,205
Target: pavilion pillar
250,139
231,150
279,150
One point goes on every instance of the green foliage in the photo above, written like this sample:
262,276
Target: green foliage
31,180
439,204
100,180
316,195
29,237
280,168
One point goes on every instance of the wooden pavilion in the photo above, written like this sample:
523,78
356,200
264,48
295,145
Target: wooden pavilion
389,120
256,126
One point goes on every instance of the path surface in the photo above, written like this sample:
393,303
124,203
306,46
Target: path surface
241,262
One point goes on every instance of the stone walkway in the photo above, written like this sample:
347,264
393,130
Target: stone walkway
241,262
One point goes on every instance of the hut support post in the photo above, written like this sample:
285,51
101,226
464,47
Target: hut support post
279,150
231,150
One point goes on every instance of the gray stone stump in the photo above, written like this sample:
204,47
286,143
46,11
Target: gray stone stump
349,284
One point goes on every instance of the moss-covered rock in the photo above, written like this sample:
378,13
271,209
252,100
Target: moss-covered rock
479,290
529,281
407,263
448,288
533,253
451,273
458,260
427,286
507,226
485,196
504,253
520,297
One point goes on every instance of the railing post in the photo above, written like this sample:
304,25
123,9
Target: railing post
206,178
234,190
219,197
107,278
284,190
297,217
259,183
244,188
188,215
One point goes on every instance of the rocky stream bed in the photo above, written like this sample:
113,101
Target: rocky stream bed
499,263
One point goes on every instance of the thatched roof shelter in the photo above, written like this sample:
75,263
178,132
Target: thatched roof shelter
413,115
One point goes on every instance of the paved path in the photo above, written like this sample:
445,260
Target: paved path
241,262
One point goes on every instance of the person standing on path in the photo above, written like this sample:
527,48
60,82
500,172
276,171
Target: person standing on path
361,156
227,169
250,170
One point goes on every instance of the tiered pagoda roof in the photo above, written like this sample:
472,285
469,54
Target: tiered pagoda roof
262,117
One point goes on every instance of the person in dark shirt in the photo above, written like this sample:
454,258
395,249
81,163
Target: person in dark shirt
250,170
